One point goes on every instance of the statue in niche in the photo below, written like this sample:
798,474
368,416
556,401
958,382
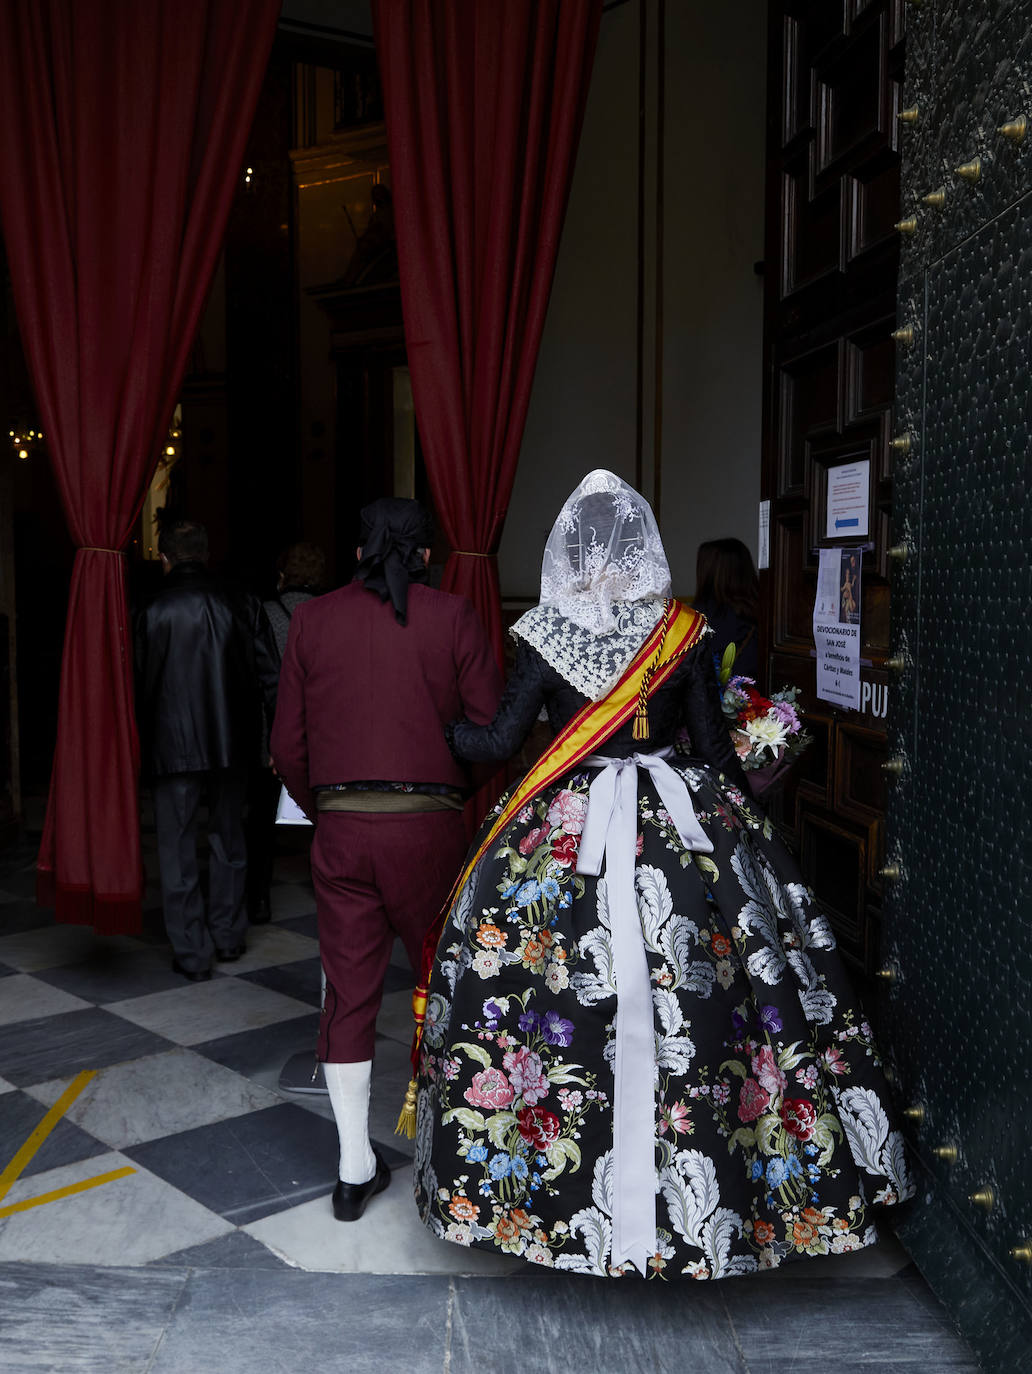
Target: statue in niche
375,259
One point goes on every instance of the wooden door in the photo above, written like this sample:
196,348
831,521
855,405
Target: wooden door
832,258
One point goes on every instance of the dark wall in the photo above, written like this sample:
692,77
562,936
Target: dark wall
261,392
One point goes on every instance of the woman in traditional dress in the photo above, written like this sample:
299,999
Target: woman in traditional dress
640,1051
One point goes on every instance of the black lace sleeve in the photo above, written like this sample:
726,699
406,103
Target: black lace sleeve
711,738
519,707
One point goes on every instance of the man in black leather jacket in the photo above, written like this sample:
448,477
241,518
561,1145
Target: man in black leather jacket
205,660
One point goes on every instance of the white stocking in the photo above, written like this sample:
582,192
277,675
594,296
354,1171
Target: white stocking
349,1097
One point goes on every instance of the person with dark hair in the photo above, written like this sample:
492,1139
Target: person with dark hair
727,592
206,663
371,675
302,575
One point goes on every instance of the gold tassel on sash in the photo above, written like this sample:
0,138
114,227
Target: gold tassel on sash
407,1117
641,711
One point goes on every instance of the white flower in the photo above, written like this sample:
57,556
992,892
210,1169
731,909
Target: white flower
459,1232
556,977
844,1243
486,962
696,1270
537,1254
766,732
725,973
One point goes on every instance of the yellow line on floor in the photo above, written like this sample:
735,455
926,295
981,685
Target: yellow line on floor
68,1191
21,1160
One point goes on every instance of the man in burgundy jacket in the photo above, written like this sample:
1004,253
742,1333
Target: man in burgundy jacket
372,674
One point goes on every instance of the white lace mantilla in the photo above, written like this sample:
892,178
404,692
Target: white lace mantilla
604,550
593,663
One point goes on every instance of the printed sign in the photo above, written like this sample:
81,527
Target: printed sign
874,699
848,500
836,627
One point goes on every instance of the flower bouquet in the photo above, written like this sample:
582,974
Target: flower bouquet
767,732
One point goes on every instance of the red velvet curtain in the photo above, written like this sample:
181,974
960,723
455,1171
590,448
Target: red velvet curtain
484,102
123,125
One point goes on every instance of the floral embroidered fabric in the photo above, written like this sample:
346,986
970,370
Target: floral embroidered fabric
773,1128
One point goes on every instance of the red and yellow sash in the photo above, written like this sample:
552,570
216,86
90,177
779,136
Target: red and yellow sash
678,629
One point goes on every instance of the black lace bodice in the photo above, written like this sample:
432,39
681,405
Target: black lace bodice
689,698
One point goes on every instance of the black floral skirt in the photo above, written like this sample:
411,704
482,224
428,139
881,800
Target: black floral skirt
773,1128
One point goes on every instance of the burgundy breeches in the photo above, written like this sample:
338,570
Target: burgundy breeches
376,876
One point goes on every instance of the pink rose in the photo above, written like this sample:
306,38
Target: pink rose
530,842
799,1117
528,1078
490,1089
568,811
752,1100
765,1067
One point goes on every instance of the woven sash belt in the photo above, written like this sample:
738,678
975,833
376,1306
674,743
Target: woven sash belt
392,803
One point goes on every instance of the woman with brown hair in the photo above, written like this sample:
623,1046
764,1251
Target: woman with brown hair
727,592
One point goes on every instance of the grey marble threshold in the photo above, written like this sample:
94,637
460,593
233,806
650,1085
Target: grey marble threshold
240,1314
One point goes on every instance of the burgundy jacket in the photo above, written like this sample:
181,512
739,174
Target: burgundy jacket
362,698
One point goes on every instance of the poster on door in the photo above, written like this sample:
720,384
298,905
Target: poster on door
849,488
836,627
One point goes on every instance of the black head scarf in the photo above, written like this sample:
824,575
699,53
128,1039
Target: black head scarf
394,533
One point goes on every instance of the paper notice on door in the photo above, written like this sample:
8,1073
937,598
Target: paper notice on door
763,543
848,500
836,627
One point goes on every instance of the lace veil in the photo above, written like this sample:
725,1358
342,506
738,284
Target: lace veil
604,578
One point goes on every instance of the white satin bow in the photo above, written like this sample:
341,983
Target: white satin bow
611,829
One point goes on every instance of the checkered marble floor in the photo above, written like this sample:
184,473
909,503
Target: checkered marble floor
187,1094
213,1244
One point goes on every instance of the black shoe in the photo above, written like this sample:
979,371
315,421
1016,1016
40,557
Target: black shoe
227,956
259,912
349,1199
195,975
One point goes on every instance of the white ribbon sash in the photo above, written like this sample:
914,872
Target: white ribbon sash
611,829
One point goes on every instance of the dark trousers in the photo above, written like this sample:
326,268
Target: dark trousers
376,876
177,804
263,791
